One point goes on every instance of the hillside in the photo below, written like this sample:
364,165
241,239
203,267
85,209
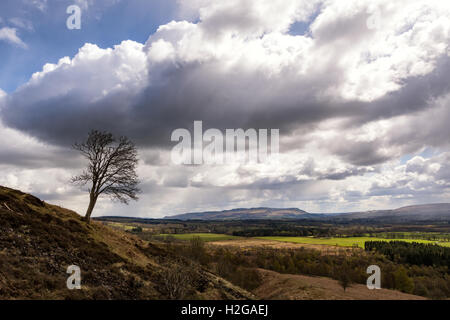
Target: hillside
437,211
276,286
246,214
38,241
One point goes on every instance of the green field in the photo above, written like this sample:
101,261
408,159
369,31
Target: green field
208,237
344,242
122,226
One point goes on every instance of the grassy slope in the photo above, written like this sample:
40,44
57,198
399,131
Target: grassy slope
343,242
276,286
38,241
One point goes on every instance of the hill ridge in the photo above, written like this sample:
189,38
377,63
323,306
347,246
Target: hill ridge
429,211
243,214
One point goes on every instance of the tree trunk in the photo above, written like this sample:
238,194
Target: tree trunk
92,201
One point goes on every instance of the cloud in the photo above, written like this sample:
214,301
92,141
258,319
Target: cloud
23,151
238,66
10,35
39,4
21,23
3,96
86,4
364,86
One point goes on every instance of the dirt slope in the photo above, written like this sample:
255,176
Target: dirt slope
276,286
38,241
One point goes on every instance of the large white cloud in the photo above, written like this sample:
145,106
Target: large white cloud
241,61
348,96
10,35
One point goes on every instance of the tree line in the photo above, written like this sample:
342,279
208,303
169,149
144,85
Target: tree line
412,253
239,267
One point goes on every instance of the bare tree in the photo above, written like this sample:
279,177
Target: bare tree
342,274
111,169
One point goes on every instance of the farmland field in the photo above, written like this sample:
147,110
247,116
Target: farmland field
345,242
204,236
121,226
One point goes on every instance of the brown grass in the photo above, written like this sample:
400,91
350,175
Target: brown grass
248,244
276,286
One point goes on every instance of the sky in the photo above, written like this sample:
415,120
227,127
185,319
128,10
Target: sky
358,89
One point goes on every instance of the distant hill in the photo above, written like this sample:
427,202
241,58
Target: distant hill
437,211
246,214
38,241
426,212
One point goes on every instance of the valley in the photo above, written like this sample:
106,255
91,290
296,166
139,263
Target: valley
243,250
129,258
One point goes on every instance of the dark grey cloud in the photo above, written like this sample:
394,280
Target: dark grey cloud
41,159
195,92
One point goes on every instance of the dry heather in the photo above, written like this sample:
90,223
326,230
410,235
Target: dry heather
249,244
38,241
